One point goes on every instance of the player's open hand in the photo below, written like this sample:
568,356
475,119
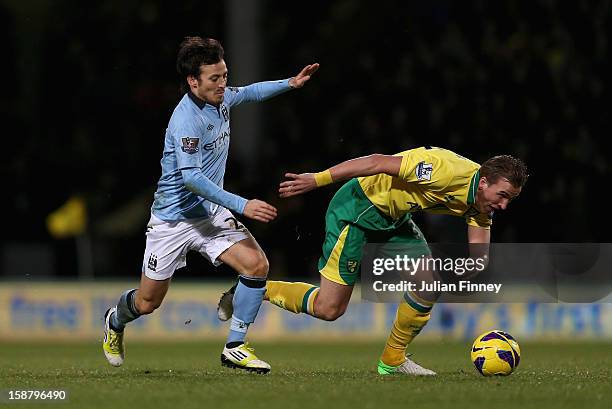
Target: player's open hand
297,184
299,80
260,211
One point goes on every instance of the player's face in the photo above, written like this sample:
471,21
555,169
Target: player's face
495,196
211,83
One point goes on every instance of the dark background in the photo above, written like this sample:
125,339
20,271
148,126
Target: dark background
88,90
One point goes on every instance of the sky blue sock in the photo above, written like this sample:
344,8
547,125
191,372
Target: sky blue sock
126,311
247,300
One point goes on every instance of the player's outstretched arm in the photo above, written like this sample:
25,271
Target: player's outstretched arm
299,80
358,167
254,209
261,91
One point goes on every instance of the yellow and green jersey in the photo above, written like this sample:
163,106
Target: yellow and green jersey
432,180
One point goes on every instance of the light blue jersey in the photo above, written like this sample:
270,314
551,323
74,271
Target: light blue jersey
196,144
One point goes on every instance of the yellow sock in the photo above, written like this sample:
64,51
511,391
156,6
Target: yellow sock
411,317
294,297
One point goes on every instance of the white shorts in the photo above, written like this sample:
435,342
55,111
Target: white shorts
169,242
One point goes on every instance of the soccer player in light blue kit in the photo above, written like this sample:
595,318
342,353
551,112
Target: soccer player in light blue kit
191,211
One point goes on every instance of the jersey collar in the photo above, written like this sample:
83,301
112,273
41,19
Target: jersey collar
199,102
473,186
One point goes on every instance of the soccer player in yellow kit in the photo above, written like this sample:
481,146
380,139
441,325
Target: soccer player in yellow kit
375,206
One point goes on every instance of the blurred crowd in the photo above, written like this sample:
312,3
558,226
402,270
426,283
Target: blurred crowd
90,90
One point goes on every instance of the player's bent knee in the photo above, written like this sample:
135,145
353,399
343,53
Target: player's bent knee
259,268
147,306
330,312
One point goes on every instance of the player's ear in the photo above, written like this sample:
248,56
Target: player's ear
483,183
192,81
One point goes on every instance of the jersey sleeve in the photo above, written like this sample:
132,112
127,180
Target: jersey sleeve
259,91
187,141
423,169
199,184
480,220
406,167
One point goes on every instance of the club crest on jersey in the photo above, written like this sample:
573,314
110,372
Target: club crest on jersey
190,145
351,265
423,171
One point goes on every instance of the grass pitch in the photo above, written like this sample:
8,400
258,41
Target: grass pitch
306,375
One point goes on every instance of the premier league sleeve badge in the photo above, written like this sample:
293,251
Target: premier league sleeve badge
190,145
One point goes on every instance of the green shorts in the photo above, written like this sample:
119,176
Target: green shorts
352,221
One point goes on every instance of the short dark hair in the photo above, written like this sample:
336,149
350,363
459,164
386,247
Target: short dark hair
505,166
194,52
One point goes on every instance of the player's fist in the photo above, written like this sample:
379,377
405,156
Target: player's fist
297,184
299,80
259,210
